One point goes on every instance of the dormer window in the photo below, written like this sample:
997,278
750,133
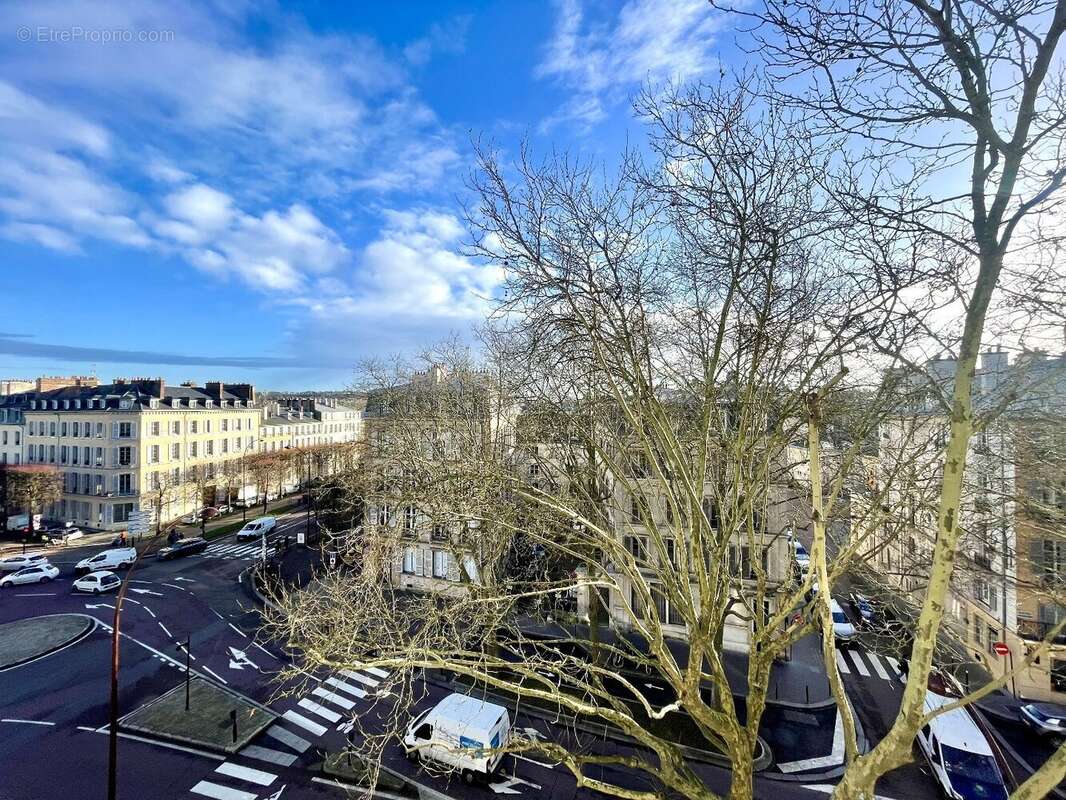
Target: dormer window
33,405
175,402
153,403
77,404
208,403
125,402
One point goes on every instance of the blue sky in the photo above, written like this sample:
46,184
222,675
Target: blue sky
270,192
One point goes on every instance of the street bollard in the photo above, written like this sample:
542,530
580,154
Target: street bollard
233,718
807,691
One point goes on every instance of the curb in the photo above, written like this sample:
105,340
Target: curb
88,629
861,742
247,580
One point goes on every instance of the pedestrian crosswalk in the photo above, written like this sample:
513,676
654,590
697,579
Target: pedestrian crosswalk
853,661
289,737
235,551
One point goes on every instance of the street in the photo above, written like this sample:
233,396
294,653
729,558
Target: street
55,710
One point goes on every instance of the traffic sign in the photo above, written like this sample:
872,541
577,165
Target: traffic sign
1000,648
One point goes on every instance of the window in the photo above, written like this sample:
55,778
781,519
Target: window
710,511
978,630
153,454
224,445
63,454
51,429
76,428
125,456
99,430
440,532
99,456
121,512
667,613
125,430
193,450
175,427
225,425
175,451
125,483
410,518
993,637
192,426
63,428
155,429
209,448
440,563
75,455
638,548
409,561
384,514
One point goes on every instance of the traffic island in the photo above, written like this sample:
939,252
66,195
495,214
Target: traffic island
217,719
27,639
351,768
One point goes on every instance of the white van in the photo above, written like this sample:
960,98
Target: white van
461,732
256,528
959,754
115,558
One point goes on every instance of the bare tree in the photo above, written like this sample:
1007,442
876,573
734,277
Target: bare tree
33,487
962,95
165,495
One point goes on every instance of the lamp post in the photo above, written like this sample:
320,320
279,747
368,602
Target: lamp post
187,647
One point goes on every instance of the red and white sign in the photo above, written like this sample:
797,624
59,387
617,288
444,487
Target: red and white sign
1000,648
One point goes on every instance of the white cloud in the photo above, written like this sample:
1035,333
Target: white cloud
160,169
449,37
275,251
654,40
27,120
44,235
413,269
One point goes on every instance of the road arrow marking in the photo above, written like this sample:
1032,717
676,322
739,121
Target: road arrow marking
505,787
190,580
654,686
533,733
239,659
100,605
146,591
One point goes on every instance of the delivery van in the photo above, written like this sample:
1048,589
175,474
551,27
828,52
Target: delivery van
115,558
256,528
461,732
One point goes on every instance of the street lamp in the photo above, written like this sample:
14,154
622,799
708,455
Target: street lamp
187,647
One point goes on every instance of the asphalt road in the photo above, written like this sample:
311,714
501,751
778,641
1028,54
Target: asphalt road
54,711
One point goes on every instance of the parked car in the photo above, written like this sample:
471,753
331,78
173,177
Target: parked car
114,558
21,561
97,582
62,535
207,512
863,607
1047,719
461,732
803,558
225,508
38,573
843,630
256,528
959,755
183,547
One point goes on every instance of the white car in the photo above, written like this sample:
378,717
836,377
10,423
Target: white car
15,563
843,630
959,755
97,582
39,573
803,558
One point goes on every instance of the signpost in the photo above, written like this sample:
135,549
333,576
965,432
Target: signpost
1000,648
141,521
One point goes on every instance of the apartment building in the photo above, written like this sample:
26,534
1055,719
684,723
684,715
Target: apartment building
1009,577
10,432
116,444
298,422
440,421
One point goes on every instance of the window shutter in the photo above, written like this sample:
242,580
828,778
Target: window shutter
421,556
114,456
1036,558
114,484
114,430
452,567
133,429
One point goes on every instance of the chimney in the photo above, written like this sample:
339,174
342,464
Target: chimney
213,389
245,391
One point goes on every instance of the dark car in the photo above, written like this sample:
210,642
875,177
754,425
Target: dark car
183,547
1047,719
863,607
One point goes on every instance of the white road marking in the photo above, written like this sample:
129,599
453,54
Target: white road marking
876,661
100,605
504,787
173,586
146,591
27,721
38,594
289,738
304,722
208,789
836,755
826,788
242,633
268,755
146,608
321,710
164,627
334,698
358,676
216,676
347,687
156,742
379,672
842,665
856,659
187,580
247,774
256,644
894,663
533,761
218,615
